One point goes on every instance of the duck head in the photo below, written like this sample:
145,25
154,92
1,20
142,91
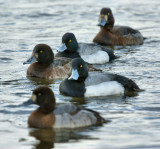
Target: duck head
69,43
106,18
44,97
43,54
79,70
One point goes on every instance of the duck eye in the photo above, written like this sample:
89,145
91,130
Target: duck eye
81,66
39,94
70,40
41,51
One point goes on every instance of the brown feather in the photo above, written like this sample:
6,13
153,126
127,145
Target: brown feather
37,119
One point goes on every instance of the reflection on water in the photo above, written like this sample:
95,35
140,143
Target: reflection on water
40,81
47,137
78,101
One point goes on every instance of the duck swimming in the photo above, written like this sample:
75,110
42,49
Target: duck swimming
84,84
91,53
115,35
52,115
43,64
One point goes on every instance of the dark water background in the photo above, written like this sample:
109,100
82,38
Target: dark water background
135,121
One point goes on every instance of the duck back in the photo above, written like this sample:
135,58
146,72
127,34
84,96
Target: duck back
72,116
67,54
119,35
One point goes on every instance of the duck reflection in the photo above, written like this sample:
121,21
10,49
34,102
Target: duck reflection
78,101
40,81
47,137
83,101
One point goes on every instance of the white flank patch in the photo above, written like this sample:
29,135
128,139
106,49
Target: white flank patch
104,89
99,57
81,119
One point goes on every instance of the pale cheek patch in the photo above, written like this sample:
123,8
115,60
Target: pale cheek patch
104,89
106,18
99,57
36,55
34,98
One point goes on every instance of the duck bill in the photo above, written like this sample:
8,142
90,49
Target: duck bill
74,75
30,60
62,48
102,22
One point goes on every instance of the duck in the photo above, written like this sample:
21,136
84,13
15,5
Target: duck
115,35
91,53
82,83
62,115
43,65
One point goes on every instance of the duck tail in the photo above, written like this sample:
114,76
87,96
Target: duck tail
100,119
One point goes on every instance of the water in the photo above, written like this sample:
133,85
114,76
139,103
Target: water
135,121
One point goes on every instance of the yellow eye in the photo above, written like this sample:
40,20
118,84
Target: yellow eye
81,66
108,13
39,94
70,40
41,51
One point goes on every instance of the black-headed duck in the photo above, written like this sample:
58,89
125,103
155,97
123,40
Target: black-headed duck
84,84
115,35
52,115
91,53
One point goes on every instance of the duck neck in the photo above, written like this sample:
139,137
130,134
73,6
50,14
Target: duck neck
69,54
46,109
45,65
41,66
83,77
46,60
107,28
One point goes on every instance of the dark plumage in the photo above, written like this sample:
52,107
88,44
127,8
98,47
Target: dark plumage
84,84
91,53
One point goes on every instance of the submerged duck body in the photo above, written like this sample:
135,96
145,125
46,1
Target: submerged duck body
115,35
84,84
91,53
52,115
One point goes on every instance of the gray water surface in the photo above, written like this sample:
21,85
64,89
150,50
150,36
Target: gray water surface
135,121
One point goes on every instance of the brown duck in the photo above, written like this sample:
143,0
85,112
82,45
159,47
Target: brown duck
115,35
43,64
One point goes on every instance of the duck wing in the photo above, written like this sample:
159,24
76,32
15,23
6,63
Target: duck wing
98,77
128,84
61,61
124,30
